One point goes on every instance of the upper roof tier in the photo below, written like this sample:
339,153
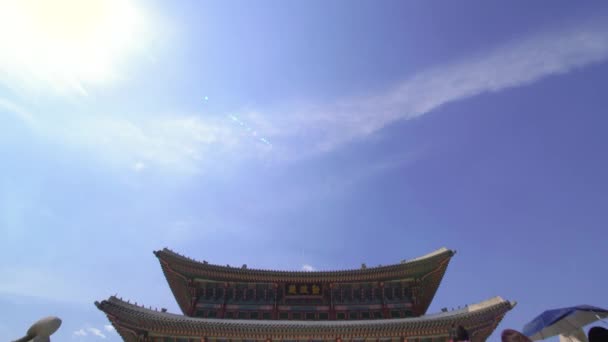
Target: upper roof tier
414,268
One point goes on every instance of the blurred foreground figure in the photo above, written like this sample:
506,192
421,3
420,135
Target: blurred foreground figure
598,334
41,330
462,334
510,335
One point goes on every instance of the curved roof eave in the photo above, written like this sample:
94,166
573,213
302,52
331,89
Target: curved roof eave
198,268
125,312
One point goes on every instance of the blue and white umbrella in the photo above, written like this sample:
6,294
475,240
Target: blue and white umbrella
563,321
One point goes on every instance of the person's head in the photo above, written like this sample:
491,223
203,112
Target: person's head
461,334
598,334
510,335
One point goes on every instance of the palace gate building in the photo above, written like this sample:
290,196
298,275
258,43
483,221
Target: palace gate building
238,304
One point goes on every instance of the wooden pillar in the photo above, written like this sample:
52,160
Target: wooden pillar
415,299
332,309
223,311
193,297
275,308
384,308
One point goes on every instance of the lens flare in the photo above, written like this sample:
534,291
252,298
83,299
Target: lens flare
250,130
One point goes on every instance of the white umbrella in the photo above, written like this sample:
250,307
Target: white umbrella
574,336
564,321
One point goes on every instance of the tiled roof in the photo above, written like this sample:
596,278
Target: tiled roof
130,320
426,272
194,268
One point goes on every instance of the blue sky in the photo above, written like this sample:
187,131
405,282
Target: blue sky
293,135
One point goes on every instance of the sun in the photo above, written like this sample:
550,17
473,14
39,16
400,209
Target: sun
67,43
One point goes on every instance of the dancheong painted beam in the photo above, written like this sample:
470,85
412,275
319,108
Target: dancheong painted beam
405,289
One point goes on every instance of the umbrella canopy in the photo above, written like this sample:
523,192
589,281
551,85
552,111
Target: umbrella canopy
562,321
574,336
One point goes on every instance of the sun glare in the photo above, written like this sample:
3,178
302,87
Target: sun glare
67,43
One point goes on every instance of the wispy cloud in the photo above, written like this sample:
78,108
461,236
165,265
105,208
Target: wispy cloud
515,64
139,166
80,332
92,331
167,142
109,328
171,141
96,332
25,280
191,142
19,112
308,268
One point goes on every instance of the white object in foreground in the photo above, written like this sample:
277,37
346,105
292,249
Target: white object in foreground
41,330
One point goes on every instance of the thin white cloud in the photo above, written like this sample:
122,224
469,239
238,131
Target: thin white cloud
80,332
165,142
93,331
194,142
518,63
25,280
182,230
20,113
139,166
96,332
308,268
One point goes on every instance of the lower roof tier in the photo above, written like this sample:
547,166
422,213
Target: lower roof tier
135,323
